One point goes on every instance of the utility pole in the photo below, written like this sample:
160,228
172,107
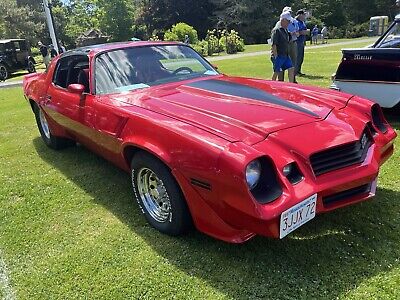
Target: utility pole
50,25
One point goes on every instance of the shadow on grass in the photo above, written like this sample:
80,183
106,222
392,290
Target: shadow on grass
327,257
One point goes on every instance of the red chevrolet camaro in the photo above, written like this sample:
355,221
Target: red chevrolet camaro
236,157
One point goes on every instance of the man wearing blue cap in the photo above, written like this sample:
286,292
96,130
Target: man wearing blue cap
301,18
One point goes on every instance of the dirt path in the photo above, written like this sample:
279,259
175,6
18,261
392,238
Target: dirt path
9,84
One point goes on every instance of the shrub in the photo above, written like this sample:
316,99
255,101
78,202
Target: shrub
154,38
213,42
170,36
240,45
335,33
139,31
231,42
35,51
201,47
178,32
355,31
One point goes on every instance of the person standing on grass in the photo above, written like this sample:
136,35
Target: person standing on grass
293,29
280,48
62,47
301,18
44,51
314,34
324,32
53,51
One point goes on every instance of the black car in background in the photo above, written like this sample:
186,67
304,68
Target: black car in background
15,55
373,72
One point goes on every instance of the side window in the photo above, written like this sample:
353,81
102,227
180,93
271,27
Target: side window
72,69
22,46
16,46
9,47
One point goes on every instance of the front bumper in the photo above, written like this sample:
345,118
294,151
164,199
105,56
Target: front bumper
336,189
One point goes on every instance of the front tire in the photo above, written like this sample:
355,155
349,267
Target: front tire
3,72
159,196
49,139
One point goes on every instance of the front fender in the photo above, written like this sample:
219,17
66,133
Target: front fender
4,62
178,145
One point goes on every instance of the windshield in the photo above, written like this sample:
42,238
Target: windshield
141,67
392,38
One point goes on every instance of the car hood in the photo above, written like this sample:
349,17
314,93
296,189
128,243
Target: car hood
238,109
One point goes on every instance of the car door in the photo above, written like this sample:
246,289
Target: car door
11,58
19,53
74,112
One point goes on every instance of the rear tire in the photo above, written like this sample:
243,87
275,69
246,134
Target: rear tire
3,72
159,195
49,139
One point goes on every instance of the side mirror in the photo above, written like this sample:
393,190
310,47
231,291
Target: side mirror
76,88
215,67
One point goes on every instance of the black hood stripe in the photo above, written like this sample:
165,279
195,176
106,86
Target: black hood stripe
245,91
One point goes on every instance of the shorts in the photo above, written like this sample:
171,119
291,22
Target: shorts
281,63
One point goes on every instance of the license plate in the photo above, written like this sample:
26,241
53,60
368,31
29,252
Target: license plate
297,215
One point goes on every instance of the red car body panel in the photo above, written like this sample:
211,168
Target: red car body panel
210,136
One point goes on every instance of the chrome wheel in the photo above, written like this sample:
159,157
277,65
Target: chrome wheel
44,124
154,195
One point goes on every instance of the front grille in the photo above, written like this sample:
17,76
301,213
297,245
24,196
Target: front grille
366,188
341,156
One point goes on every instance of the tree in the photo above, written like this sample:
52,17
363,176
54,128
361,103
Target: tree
61,18
20,22
116,19
159,15
357,12
330,12
253,19
82,16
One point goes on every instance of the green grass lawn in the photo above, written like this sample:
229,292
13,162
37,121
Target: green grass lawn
319,65
264,47
70,229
